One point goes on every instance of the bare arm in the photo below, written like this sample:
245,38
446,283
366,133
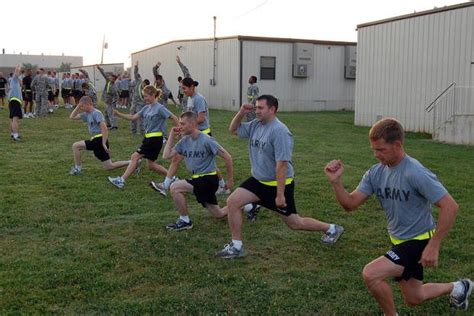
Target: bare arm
281,168
105,135
85,73
18,70
229,167
156,70
201,117
349,201
136,74
447,216
75,114
128,117
173,168
237,120
169,151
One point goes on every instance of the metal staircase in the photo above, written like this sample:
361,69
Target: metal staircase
453,115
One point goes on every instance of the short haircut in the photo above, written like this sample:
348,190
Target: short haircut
189,115
253,78
85,85
86,100
388,129
189,82
146,82
180,78
159,77
270,100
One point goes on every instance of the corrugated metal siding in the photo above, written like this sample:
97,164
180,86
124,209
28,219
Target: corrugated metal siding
325,89
403,65
94,75
197,56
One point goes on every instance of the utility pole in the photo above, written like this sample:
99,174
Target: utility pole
214,65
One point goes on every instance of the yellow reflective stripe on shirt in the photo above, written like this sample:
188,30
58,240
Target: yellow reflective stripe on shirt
275,183
423,236
194,176
153,134
96,136
15,99
108,87
206,131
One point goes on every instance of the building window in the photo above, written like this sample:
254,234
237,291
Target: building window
267,67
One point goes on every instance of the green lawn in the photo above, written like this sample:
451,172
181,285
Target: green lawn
77,244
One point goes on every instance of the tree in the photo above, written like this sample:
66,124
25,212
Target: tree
29,66
64,67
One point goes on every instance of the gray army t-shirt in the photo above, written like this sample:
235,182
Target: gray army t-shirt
154,117
268,143
93,120
199,154
198,104
406,193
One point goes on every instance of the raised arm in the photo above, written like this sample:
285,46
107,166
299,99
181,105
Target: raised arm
156,70
237,120
169,151
85,73
184,69
136,74
75,114
102,73
349,201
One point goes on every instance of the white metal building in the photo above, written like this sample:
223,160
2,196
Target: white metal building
8,62
94,74
306,75
419,68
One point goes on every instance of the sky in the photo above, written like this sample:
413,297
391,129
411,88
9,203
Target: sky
77,28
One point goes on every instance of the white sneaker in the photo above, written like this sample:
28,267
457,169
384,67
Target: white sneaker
222,191
159,187
117,181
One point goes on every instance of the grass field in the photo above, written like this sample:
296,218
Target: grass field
77,244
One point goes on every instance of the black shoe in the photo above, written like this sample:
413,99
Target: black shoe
252,214
179,225
113,127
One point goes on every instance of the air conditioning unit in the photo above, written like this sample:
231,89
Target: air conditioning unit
302,59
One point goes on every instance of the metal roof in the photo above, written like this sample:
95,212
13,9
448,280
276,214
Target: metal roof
417,14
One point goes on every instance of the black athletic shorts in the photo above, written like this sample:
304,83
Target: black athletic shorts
267,195
2,93
96,146
15,109
28,96
56,93
65,93
124,94
204,188
407,254
50,95
151,147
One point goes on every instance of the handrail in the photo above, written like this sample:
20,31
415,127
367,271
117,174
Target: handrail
430,107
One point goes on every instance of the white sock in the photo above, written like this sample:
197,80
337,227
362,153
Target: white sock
237,244
458,289
222,183
332,229
78,167
167,182
15,135
184,218
248,207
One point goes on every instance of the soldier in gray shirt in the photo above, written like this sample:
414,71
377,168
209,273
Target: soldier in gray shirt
154,116
137,100
98,143
199,151
406,190
88,88
272,182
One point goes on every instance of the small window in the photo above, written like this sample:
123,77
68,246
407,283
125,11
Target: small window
267,67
